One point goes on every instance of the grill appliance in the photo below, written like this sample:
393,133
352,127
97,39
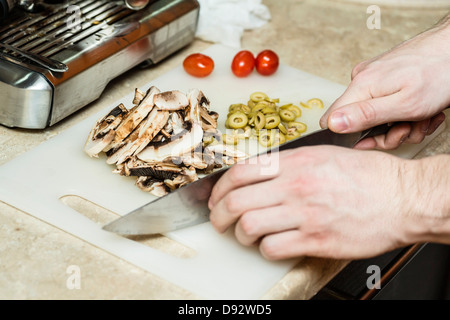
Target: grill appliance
58,56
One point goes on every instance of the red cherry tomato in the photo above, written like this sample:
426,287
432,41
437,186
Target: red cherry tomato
267,62
243,63
198,65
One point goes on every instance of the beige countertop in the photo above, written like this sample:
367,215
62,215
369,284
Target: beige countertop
323,37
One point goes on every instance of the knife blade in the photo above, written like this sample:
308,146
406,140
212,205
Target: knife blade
188,206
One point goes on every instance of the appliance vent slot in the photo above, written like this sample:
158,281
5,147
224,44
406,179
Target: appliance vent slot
48,33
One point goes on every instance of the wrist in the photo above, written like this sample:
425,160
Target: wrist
428,201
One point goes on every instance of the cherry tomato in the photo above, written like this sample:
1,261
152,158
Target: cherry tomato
198,65
243,63
267,62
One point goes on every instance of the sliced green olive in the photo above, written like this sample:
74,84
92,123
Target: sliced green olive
272,121
265,138
235,107
278,138
269,110
271,138
287,115
260,121
273,100
299,126
227,125
251,118
315,103
296,110
230,139
304,105
251,103
292,108
293,134
282,128
237,120
258,96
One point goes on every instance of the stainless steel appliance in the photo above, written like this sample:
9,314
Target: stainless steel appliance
58,56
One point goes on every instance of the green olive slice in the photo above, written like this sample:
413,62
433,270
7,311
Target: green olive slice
265,138
260,121
258,96
282,128
287,115
299,126
272,121
293,134
237,120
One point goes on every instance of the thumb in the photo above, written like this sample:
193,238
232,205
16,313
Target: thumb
363,115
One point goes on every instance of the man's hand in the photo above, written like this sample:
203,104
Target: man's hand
323,201
408,83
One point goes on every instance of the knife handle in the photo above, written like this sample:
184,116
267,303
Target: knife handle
376,131
382,129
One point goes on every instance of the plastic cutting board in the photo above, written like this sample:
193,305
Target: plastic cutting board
221,268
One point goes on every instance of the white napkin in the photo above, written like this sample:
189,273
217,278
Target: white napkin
224,21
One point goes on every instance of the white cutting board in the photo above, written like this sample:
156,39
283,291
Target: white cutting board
221,268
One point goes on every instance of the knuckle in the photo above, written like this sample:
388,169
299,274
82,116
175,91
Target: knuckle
236,173
357,69
367,111
249,225
232,203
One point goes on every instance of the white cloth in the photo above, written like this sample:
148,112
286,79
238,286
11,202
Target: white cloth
224,21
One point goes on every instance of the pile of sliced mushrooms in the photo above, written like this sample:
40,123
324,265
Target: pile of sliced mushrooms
166,139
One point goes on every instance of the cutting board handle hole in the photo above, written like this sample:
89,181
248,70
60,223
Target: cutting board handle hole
103,216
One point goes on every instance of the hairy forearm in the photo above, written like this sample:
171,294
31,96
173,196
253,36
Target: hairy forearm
430,199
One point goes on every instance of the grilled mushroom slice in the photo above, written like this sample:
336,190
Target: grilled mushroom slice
171,100
154,186
147,130
104,131
160,170
187,176
134,118
226,150
178,145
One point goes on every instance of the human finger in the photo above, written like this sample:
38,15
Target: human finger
239,175
257,223
419,130
235,203
362,115
389,141
436,122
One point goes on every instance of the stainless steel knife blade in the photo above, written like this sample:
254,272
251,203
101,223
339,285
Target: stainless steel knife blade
188,205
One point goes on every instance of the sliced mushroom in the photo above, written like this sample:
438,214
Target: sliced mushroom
104,131
160,170
152,185
138,96
187,176
176,146
226,150
196,100
131,122
171,100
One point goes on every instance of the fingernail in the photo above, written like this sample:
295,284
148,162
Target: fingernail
339,122
438,120
403,139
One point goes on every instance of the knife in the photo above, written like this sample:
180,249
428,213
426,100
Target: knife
188,206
